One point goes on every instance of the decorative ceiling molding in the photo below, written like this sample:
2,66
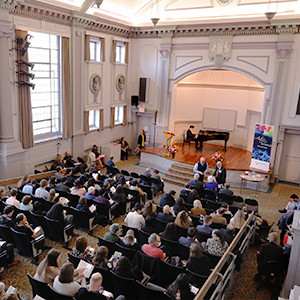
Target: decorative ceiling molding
8,4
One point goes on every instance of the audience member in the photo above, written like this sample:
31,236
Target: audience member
58,213
59,173
110,163
166,215
170,233
12,200
217,244
205,228
196,183
53,196
146,173
149,226
197,262
185,192
82,249
111,235
100,257
29,188
190,239
291,204
228,233
225,190
134,186
148,210
151,248
201,168
68,160
62,186
82,205
26,204
48,268
211,184
159,185
129,241
198,209
22,182
69,177
101,199
135,219
183,220
180,288
6,217
3,196
179,206
194,195
90,193
52,182
77,189
85,176
41,192
217,217
238,219
227,213
168,199
38,208
64,283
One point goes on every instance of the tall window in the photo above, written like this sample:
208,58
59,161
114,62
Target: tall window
95,49
44,52
94,116
119,115
120,52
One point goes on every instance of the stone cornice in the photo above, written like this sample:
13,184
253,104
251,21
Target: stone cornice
8,4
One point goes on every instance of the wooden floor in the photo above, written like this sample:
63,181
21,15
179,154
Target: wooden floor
235,158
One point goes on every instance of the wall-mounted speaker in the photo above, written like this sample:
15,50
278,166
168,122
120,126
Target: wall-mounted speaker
134,100
142,89
298,106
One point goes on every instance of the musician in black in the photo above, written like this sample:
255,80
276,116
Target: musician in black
201,167
220,174
190,136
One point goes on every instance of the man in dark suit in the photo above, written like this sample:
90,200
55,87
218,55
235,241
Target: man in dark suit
168,199
200,168
62,186
166,215
190,136
190,239
196,183
220,173
269,252
226,190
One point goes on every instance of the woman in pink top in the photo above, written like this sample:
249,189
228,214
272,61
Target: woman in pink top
12,200
77,189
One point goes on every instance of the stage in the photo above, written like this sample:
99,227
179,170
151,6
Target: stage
236,162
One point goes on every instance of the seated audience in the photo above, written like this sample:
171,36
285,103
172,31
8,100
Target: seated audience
216,245
225,190
197,262
86,176
134,186
293,202
90,193
64,283
10,255
212,184
180,288
82,205
59,175
227,213
228,233
111,235
48,268
149,226
183,220
149,210
69,177
58,213
53,196
269,252
3,196
29,188
82,249
168,199
190,239
167,215
100,257
119,195
111,179
135,219
217,217
146,173
170,233
198,209
12,200
238,220
110,163
68,160
57,162
194,195
151,248
129,241
95,290
179,206
26,204
196,183
21,183
38,208
52,182
77,189
159,186
205,228
41,192
102,199
6,217
185,192
62,186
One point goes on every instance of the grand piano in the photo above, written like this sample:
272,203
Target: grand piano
209,135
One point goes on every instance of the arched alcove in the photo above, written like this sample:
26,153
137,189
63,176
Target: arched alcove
218,90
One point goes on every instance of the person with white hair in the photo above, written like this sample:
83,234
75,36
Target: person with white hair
211,184
196,183
269,252
220,174
201,168
90,193
238,219
146,173
198,209
151,248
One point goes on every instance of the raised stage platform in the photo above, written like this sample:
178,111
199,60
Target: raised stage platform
236,162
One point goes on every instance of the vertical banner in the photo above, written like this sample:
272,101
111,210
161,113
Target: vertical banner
262,145
168,141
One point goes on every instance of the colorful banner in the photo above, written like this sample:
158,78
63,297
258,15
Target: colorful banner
262,145
168,141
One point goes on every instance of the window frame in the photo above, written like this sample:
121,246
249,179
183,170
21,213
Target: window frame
119,110
95,125
120,52
97,41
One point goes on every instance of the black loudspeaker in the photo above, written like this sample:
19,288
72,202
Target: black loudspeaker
134,100
298,106
142,90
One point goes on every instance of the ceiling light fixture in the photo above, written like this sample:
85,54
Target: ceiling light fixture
98,3
272,10
155,12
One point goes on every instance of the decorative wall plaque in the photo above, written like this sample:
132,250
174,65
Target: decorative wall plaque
95,85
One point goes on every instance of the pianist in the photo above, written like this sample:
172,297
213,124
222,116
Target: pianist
190,136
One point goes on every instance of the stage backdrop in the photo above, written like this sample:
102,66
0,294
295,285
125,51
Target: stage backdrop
262,144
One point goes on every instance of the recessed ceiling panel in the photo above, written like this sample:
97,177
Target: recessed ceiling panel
192,4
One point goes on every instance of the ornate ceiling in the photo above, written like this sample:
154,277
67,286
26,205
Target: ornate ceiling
180,12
